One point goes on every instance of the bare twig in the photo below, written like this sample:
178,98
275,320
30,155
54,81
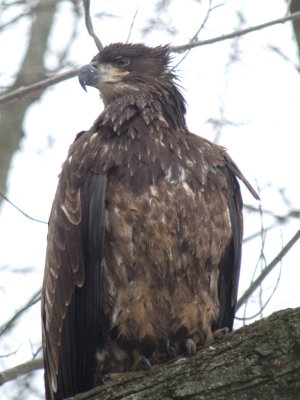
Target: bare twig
22,369
33,300
42,85
37,87
288,8
267,270
210,9
244,318
256,234
291,17
293,213
89,25
21,211
131,25
195,36
261,259
14,20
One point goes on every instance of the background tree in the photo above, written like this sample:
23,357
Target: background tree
256,122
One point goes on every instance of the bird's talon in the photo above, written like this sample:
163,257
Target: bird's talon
170,348
105,378
220,333
141,362
190,347
146,362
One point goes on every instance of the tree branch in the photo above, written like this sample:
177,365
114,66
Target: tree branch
31,70
259,361
286,18
34,299
42,85
21,211
267,270
22,369
89,25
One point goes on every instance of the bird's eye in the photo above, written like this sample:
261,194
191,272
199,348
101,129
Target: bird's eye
94,64
122,61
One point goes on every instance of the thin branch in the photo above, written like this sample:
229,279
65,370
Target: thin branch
33,300
293,213
244,319
131,25
282,20
267,270
256,234
210,9
38,86
21,211
89,25
22,369
288,8
261,259
195,36
15,19
42,85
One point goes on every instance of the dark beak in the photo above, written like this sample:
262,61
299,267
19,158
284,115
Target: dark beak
88,75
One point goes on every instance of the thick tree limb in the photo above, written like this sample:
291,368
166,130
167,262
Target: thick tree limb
22,369
259,361
40,86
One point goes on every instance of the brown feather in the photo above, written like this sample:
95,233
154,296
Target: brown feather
145,233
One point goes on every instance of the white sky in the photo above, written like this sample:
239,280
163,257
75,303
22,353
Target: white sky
260,91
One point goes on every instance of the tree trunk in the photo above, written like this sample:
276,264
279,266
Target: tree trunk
295,7
31,70
259,361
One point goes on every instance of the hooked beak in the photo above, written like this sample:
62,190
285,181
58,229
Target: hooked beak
88,75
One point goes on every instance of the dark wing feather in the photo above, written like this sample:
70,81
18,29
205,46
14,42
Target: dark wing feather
87,299
229,268
71,289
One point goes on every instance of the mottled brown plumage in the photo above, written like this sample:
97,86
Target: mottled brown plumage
145,232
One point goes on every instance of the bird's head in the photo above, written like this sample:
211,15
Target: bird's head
120,69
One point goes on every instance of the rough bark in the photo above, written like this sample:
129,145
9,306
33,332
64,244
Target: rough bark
259,361
31,70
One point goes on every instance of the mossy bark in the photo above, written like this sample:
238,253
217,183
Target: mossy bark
259,361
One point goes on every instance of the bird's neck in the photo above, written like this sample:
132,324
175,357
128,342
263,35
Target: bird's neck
158,106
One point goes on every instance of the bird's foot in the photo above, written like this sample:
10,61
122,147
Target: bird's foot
105,378
140,362
170,348
220,333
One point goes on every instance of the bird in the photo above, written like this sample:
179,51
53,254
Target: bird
145,232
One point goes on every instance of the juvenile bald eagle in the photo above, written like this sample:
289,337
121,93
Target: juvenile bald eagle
145,232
